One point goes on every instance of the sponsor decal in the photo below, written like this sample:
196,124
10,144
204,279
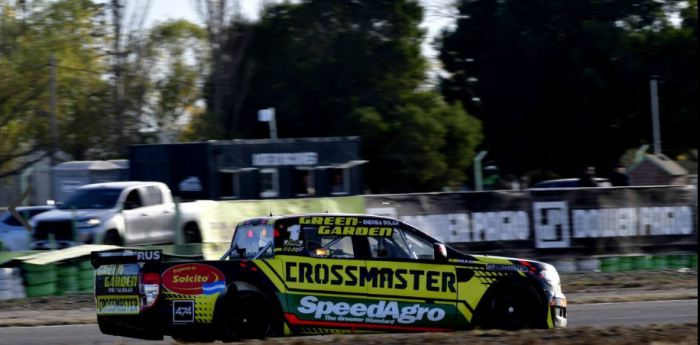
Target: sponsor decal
465,262
183,311
382,312
117,279
194,279
348,226
118,305
149,255
285,159
385,278
496,267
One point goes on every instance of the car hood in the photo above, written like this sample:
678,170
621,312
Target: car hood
63,215
499,260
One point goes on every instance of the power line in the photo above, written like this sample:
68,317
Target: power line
24,72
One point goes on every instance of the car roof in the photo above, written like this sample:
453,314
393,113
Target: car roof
35,208
597,179
328,215
120,185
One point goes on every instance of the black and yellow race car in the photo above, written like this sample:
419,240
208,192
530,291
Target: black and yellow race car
322,274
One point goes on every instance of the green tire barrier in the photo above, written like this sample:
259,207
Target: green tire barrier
660,263
610,264
40,278
42,290
679,261
84,265
643,263
37,268
67,271
62,290
86,285
85,275
694,261
72,280
626,264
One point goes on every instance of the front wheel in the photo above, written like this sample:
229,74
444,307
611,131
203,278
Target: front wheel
516,307
248,316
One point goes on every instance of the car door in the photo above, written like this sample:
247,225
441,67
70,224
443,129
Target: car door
137,220
422,293
324,278
161,217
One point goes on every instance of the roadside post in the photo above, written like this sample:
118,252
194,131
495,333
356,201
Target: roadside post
179,240
74,224
24,182
269,116
479,171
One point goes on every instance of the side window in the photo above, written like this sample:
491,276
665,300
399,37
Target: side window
230,185
422,249
328,247
269,183
394,247
133,200
155,197
340,181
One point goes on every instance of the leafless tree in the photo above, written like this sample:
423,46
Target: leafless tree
128,20
229,38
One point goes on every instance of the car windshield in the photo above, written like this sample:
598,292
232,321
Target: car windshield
91,199
251,241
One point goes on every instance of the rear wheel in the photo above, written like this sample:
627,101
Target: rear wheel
248,316
515,307
112,238
192,234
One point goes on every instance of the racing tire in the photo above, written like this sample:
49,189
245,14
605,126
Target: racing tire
248,316
515,307
112,238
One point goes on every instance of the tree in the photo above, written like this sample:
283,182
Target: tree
176,85
31,33
563,83
344,68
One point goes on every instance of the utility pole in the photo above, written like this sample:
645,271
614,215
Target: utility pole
656,112
54,124
118,81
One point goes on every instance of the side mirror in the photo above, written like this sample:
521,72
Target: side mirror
128,205
440,252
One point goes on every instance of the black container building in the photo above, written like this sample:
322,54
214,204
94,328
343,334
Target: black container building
253,169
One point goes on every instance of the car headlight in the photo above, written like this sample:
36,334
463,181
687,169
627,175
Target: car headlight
551,276
88,223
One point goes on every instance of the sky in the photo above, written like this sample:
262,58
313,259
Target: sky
163,10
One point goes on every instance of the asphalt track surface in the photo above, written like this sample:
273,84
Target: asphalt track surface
592,315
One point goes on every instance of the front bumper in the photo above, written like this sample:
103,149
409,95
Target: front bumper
559,311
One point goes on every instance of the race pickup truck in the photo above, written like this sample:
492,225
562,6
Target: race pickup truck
322,274
118,213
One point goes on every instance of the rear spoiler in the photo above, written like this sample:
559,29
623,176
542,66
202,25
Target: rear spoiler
125,256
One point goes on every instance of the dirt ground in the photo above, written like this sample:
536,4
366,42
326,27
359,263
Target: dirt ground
654,335
630,281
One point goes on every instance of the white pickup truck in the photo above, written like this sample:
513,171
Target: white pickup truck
119,213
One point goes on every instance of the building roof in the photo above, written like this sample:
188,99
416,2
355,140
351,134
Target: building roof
86,165
667,164
121,185
122,163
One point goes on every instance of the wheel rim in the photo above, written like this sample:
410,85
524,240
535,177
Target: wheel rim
514,310
248,320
